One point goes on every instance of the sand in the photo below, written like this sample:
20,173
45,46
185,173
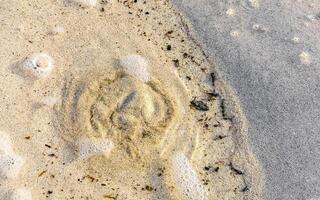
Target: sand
115,100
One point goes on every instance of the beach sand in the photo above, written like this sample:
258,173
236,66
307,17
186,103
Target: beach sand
115,100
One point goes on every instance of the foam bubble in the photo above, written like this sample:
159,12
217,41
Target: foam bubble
5,144
230,12
254,3
259,28
89,3
38,64
10,165
235,33
295,39
186,180
20,194
57,30
305,58
136,66
50,100
90,147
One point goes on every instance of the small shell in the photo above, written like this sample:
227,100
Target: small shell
38,64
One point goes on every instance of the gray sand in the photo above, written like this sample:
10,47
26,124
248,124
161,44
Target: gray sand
269,52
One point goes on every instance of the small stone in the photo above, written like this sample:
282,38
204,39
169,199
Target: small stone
295,39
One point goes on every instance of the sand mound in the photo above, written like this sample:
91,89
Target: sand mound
135,115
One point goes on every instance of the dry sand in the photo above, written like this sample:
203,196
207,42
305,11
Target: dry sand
115,100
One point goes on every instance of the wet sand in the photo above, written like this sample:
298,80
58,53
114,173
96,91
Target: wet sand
269,53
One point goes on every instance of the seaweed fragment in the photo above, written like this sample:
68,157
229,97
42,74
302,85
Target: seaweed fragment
220,137
213,94
211,168
176,63
223,110
245,189
43,172
235,170
213,78
199,105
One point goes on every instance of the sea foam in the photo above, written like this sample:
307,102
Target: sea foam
20,194
186,180
38,65
10,162
88,3
136,66
10,165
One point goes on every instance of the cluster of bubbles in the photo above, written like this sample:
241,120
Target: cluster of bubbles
10,166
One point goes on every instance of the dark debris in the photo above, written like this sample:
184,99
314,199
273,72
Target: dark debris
199,105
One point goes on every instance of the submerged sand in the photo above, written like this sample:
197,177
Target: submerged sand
131,109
